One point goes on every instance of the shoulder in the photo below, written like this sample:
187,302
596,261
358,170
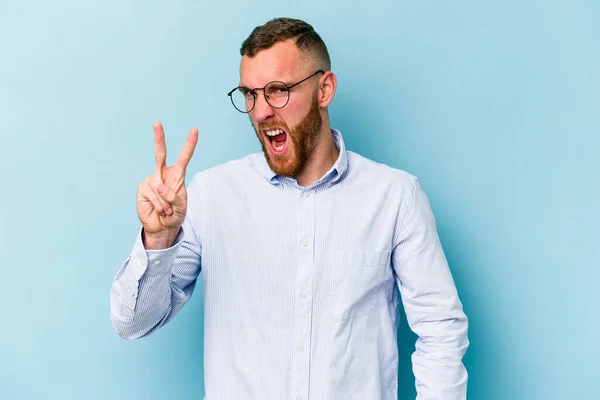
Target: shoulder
364,169
232,171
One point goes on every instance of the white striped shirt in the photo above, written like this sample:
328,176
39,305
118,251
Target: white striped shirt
301,283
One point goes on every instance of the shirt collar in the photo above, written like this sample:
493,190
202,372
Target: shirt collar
335,173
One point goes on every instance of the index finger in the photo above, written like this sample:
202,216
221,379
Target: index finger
188,148
160,148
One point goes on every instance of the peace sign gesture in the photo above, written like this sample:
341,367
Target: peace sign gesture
161,201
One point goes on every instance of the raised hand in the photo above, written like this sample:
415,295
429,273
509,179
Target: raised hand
161,202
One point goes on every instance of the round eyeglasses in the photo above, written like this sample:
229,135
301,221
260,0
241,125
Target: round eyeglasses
277,94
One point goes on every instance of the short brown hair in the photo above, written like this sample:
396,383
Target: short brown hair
280,29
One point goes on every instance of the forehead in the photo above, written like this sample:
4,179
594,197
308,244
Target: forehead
280,62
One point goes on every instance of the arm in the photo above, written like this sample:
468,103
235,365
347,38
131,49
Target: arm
153,285
160,275
433,309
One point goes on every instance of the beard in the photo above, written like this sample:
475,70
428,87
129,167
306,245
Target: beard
303,138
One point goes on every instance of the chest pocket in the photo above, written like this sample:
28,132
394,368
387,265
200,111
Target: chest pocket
357,280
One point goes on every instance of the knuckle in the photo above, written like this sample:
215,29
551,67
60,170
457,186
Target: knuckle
143,190
158,206
169,197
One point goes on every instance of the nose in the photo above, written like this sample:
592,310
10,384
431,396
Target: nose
262,110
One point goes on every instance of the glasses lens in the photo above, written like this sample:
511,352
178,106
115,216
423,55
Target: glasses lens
277,94
242,99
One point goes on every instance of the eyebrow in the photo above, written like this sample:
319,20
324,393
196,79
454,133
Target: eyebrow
244,89
248,88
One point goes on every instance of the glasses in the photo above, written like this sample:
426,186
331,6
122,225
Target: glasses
277,95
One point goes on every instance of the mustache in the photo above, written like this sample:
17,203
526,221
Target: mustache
270,125
259,126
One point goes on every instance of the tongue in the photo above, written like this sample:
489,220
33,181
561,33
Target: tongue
280,138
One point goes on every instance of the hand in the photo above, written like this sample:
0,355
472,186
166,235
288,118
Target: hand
161,202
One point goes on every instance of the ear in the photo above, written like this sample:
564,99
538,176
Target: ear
327,86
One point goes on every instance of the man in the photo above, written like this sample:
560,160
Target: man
302,249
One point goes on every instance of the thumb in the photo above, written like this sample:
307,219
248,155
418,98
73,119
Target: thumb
170,196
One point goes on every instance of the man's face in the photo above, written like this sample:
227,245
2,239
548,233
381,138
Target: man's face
297,125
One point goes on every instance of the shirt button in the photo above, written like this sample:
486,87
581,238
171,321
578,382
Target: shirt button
303,295
305,195
305,242
300,347
156,262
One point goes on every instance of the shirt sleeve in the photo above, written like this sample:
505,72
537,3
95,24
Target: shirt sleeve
153,285
430,299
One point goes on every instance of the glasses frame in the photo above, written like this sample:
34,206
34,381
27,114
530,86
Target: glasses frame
255,94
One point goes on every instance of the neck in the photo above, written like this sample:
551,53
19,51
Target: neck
321,159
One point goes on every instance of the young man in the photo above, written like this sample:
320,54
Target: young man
304,249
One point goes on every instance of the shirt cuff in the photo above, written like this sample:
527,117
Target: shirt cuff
153,262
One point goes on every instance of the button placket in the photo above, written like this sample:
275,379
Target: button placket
303,307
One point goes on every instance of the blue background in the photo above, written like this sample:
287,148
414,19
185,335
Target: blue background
494,105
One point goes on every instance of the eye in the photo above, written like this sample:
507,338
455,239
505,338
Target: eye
248,93
277,90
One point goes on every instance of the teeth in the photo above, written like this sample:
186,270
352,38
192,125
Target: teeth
274,132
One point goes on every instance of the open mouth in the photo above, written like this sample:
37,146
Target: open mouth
277,139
